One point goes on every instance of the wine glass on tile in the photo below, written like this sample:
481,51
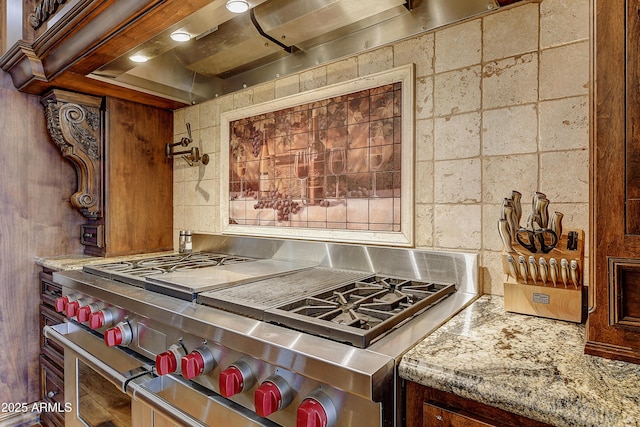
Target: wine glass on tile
376,158
240,167
337,164
301,169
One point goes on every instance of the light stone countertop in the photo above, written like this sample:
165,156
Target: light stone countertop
76,262
527,365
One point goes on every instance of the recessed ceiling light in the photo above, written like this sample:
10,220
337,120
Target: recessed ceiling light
180,36
138,58
237,6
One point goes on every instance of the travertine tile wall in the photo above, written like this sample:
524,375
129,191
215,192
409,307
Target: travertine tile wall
502,103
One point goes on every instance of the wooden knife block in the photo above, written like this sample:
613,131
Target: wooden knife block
543,299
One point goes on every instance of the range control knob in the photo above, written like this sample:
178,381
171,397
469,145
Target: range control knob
85,311
316,410
237,378
167,362
103,318
73,306
121,334
272,395
63,301
198,362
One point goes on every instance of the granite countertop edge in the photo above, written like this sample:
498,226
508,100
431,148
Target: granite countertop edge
526,365
76,262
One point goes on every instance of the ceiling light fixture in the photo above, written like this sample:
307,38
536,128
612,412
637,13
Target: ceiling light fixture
180,36
138,58
237,6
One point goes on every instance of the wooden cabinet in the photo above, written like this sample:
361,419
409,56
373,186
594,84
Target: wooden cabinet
51,354
613,327
428,407
125,182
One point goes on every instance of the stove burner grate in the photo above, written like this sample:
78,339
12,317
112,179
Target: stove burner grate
361,311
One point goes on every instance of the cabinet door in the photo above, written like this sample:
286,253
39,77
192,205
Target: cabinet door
434,416
614,321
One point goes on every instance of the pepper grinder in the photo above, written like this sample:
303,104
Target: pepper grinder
182,241
188,244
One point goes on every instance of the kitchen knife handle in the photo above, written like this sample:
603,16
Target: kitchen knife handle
553,271
513,269
543,212
555,223
533,269
544,269
516,196
505,235
575,272
564,271
524,270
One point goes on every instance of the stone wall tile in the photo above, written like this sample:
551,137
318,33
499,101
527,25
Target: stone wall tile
512,130
510,81
457,91
564,124
465,40
511,32
458,181
458,136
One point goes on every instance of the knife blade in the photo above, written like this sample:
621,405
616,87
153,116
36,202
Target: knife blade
544,269
555,223
505,235
513,269
564,271
553,271
516,196
533,269
524,270
575,272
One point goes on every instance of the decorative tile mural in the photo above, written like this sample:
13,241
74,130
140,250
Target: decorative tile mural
327,164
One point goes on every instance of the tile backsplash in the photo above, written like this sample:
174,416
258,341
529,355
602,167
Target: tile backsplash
502,103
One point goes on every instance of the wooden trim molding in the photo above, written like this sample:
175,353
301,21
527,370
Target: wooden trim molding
75,125
624,291
44,10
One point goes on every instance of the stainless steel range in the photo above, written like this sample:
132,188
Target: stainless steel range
260,332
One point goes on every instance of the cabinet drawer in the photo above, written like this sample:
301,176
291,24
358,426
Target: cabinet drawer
49,348
52,389
49,290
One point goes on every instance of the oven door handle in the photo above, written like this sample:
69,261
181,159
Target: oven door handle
121,368
158,404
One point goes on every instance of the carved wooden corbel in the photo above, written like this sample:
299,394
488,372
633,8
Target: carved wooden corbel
75,125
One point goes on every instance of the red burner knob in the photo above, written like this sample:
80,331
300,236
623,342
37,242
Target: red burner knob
166,363
121,334
96,320
317,410
311,414
231,381
83,313
198,362
104,318
271,396
236,378
72,308
113,337
61,304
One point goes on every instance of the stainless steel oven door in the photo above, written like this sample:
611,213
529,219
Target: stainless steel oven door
109,387
95,378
